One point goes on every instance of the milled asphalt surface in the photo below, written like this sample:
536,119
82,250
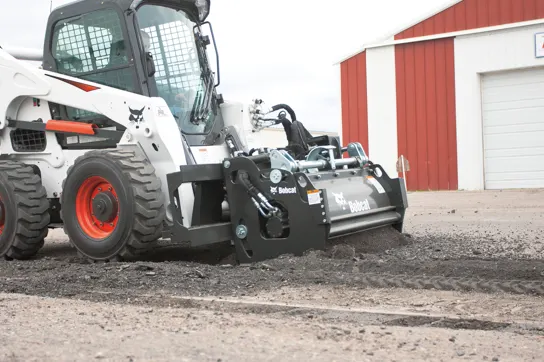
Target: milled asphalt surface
486,235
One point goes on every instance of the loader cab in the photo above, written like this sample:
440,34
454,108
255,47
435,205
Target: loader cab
151,47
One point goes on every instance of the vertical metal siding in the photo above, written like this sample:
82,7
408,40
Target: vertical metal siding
473,14
426,113
354,100
426,89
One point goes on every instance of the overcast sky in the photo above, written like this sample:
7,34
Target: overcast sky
281,51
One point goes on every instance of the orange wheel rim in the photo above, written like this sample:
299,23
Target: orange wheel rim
97,207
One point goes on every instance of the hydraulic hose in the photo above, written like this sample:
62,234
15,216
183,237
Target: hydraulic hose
287,108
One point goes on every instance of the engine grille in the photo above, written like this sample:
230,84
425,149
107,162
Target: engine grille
23,140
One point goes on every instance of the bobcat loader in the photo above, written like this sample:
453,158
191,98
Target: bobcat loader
121,139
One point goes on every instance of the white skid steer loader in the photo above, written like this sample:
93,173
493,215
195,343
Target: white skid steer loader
121,139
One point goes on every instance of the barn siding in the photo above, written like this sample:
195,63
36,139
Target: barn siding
425,85
473,14
354,101
426,113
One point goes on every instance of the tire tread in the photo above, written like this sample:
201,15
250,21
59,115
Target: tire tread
33,216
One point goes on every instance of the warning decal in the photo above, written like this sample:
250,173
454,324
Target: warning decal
314,197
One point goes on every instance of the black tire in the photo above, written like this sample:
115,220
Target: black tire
25,211
141,209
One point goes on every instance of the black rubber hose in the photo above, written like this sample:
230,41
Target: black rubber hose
287,108
243,177
287,128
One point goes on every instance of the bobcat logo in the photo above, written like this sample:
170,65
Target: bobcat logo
274,190
136,116
340,200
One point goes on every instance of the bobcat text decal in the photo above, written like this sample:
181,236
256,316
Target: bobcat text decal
354,206
283,190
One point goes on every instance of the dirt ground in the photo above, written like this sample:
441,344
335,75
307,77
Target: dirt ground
459,250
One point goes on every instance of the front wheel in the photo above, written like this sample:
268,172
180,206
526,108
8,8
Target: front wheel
112,204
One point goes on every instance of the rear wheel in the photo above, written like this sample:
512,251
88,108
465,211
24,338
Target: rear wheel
112,205
24,211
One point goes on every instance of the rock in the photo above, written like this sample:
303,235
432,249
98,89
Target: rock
99,355
150,274
460,353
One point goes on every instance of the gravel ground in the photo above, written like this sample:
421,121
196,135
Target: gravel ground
37,329
489,235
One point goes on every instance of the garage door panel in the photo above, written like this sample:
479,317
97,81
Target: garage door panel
529,115
518,92
513,129
505,165
516,176
529,75
513,140
514,152
535,127
518,105
515,184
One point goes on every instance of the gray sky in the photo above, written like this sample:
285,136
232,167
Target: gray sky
281,51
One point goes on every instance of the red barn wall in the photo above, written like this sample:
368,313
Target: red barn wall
473,14
354,101
425,77
426,122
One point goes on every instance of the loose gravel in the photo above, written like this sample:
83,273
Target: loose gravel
475,241
491,235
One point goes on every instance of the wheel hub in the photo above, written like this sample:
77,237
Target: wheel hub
105,207
97,207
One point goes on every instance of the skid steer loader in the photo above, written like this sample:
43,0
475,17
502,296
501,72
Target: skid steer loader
121,139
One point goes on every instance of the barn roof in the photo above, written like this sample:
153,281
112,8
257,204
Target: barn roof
390,36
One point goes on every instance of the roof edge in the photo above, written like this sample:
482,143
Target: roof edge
448,35
430,14
400,29
488,29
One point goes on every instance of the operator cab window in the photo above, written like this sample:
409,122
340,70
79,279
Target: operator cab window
168,35
92,47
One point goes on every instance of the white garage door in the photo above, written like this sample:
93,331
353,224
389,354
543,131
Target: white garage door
513,128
